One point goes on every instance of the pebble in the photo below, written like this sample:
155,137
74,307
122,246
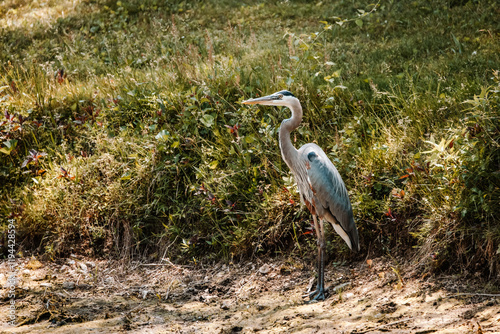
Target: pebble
264,269
68,285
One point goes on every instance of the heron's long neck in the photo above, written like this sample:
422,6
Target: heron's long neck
288,151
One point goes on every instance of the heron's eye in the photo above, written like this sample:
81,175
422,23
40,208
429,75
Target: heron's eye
280,96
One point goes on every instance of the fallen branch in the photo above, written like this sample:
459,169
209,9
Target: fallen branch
474,294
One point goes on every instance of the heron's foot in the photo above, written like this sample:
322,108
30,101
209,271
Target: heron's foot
316,295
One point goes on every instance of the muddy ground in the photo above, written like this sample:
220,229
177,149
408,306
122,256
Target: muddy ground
82,295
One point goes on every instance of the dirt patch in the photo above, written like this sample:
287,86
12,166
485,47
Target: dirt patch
84,295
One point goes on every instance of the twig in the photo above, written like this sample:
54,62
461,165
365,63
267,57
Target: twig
338,287
251,279
166,248
310,285
132,310
382,326
171,264
63,296
474,294
168,290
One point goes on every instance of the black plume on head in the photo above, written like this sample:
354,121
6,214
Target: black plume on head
285,93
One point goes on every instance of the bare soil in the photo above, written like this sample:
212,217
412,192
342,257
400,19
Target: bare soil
83,295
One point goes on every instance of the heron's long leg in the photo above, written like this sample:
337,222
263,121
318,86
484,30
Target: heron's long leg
319,293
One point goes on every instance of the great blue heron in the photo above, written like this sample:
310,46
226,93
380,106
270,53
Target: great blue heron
319,183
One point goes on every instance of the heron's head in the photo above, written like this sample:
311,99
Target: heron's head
282,98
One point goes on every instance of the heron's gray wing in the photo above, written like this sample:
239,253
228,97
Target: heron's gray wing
330,192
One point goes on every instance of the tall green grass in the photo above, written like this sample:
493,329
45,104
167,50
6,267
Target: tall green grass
159,159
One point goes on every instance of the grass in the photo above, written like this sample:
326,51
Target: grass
149,153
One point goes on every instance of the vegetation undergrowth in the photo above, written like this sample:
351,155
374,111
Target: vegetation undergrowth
122,132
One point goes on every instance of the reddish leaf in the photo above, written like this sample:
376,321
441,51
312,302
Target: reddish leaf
233,129
60,76
212,198
13,87
9,117
66,174
389,213
33,157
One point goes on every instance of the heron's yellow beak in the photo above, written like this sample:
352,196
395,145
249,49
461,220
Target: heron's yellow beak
251,101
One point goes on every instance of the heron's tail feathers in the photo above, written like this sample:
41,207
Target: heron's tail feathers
351,238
